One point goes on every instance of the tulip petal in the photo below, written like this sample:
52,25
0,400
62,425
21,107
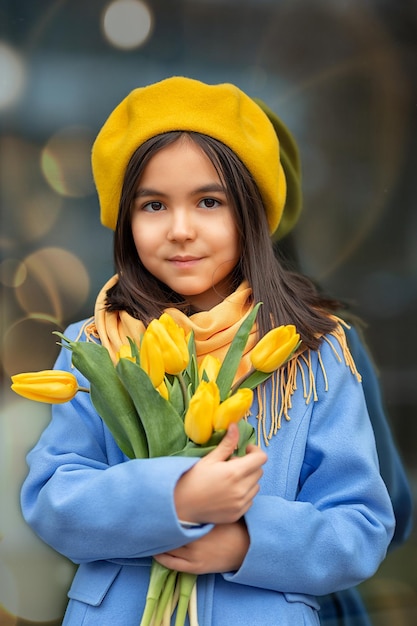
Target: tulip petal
275,348
151,360
233,409
171,340
198,421
209,367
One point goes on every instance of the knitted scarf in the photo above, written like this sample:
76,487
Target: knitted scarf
214,331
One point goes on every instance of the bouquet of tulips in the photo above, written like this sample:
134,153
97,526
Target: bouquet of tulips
157,401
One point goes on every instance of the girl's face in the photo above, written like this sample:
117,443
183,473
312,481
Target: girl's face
183,226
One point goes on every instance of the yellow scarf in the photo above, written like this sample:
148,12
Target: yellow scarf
214,331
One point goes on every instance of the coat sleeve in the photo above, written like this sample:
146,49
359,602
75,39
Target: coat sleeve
336,531
89,502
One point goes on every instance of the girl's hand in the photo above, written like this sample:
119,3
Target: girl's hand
217,490
221,550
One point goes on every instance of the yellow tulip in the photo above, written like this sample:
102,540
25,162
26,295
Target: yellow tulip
125,352
233,409
51,386
275,348
211,366
151,359
198,421
172,343
163,390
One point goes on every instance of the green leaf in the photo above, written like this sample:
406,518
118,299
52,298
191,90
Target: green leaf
254,379
247,436
175,393
192,449
233,356
109,396
134,348
113,423
191,371
162,424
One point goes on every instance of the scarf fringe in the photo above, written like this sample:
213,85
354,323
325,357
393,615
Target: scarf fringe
284,383
90,331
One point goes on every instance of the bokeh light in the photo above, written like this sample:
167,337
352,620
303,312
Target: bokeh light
12,272
29,345
38,213
8,593
12,75
56,285
65,162
30,207
127,24
26,566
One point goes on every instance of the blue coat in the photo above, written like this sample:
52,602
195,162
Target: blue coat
321,522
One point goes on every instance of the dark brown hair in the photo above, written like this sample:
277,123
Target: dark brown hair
288,297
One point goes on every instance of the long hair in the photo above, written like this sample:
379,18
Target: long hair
288,297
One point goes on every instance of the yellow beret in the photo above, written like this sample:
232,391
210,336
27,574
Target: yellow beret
223,112
291,164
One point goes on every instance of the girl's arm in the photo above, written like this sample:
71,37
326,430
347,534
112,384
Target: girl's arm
334,530
330,535
83,497
226,546
88,501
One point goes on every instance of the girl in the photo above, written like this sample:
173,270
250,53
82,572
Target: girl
192,179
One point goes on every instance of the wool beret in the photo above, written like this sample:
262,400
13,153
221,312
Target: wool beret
222,111
291,164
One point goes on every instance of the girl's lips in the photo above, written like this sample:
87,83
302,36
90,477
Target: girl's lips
184,262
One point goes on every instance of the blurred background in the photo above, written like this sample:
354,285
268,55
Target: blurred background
340,73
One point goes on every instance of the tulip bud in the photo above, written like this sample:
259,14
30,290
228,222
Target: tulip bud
198,421
125,352
51,386
151,359
211,366
275,348
233,409
171,340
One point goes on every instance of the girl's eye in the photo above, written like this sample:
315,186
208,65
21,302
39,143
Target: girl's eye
153,207
209,203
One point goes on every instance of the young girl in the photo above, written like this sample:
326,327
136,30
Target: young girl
192,179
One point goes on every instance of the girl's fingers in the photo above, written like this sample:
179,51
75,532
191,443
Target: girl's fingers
217,489
226,447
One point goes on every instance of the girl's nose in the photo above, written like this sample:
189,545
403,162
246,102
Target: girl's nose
181,227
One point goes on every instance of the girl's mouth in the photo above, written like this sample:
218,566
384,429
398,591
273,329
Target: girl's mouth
184,261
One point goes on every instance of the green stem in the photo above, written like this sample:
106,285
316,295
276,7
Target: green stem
187,582
241,380
192,608
157,579
166,596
